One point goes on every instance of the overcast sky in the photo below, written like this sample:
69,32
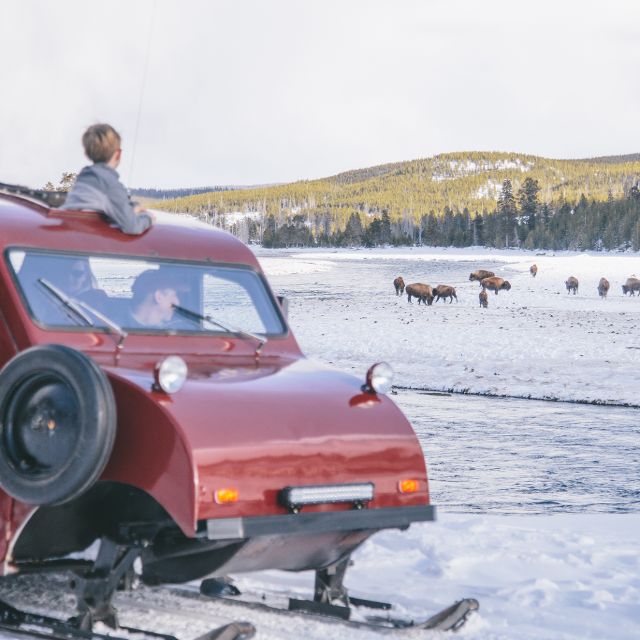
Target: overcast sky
251,92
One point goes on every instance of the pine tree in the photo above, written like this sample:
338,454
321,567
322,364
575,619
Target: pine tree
477,234
528,201
354,232
385,231
507,211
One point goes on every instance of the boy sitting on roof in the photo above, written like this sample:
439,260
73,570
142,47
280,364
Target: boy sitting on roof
97,186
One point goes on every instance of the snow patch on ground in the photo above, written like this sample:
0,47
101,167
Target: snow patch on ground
536,577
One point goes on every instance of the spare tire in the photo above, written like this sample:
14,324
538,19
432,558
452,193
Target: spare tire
57,424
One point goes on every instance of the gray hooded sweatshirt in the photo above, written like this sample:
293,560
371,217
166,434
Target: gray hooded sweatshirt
98,188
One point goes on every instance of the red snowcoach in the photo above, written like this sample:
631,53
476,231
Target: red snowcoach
202,442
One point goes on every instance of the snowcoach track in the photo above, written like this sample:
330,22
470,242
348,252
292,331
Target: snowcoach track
182,612
449,619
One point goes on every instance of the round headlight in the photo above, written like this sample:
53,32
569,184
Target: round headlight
171,374
380,377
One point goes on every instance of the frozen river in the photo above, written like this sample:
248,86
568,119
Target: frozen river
533,341
537,501
489,454
499,455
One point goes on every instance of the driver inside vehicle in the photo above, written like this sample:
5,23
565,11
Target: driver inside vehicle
79,278
155,295
81,283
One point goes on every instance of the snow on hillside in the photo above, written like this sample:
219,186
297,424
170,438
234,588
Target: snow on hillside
490,189
460,168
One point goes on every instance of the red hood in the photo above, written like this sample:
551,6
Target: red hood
261,428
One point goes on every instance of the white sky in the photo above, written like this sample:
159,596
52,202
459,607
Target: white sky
250,92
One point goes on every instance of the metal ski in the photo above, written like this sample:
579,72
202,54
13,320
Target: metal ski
35,625
332,601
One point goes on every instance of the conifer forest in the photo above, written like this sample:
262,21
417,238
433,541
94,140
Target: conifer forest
463,199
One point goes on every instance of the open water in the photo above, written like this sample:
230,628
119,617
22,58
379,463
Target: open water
503,455
488,454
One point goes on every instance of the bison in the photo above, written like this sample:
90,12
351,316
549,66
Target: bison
631,286
572,284
495,284
484,299
603,288
423,292
533,270
398,283
481,274
445,291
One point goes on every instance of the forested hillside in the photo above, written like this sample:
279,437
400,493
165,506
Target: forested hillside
497,199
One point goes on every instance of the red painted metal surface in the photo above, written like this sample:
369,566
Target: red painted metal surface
258,428
252,425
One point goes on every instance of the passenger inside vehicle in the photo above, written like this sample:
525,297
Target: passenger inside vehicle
155,296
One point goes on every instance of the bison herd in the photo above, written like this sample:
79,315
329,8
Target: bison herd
425,293
631,286
489,281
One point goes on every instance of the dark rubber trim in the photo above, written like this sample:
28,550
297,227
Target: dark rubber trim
319,522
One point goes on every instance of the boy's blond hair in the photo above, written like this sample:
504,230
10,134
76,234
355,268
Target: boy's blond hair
100,142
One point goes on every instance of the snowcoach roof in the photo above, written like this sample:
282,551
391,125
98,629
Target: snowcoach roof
25,221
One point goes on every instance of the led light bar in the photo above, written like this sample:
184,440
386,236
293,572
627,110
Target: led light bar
326,493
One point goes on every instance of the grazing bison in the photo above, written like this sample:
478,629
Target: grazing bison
572,285
603,288
631,286
481,274
484,299
445,291
423,292
533,270
398,283
495,284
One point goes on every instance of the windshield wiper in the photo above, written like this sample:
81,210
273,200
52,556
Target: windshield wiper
194,315
69,303
79,307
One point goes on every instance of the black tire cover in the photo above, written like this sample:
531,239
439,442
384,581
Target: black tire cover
57,424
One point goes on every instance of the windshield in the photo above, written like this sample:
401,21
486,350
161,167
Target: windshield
142,295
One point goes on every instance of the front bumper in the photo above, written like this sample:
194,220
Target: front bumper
290,542
317,522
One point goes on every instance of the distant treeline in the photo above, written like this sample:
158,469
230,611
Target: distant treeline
498,199
518,220
172,194
412,188
629,157
168,194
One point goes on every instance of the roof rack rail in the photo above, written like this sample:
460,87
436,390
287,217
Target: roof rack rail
54,199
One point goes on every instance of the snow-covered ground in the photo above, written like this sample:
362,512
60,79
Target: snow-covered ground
535,340
537,502
560,576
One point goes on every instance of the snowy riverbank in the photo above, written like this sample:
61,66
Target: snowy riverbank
533,341
564,576
497,468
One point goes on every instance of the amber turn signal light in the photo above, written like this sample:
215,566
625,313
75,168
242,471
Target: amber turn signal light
226,495
408,486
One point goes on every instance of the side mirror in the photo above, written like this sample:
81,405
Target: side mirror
284,305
